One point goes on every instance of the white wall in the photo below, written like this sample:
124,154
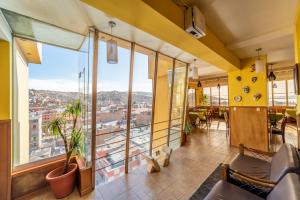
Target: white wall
21,108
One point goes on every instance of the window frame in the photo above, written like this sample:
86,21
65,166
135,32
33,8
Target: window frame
286,93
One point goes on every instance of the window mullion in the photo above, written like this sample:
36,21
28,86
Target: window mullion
132,50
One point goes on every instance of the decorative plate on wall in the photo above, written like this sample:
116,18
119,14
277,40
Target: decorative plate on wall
246,89
254,79
237,98
256,96
238,78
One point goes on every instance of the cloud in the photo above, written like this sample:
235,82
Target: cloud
67,85
62,85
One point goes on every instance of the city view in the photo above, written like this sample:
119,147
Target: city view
44,105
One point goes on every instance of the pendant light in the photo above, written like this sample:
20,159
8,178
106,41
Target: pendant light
218,86
199,84
271,76
195,71
259,65
112,46
274,85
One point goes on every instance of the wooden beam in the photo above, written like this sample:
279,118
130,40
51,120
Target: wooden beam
132,49
171,102
153,103
94,103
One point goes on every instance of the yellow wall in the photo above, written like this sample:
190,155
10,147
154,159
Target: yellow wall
235,86
5,80
164,20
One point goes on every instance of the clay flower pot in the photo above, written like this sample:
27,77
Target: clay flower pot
62,184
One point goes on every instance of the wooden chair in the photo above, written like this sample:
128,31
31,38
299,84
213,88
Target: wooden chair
226,118
280,131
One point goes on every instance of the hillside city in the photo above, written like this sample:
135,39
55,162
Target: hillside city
45,105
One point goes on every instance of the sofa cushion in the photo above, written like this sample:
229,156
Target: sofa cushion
287,188
225,190
285,160
251,166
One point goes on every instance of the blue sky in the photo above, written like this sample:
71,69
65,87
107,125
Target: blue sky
60,67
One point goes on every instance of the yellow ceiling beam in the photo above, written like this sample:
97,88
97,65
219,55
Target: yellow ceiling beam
164,20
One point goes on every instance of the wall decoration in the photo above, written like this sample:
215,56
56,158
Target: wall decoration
237,98
252,68
254,79
238,78
256,96
246,89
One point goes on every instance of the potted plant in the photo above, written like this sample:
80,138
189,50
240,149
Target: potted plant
187,130
62,179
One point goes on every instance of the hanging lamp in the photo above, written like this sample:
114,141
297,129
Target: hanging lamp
259,65
271,76
112,46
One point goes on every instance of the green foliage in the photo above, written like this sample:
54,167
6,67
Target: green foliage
73,136
188,127
204,100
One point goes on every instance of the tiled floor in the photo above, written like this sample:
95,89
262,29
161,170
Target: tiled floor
190,166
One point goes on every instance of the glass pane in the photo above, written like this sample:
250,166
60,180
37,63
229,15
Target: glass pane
292,100
141,109
177,104
85,91
41,92
162,102
224,95
206,96
270,93
23,26
191,98
215,96
279,88
112,100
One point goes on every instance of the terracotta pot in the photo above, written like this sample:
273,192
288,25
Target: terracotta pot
62,184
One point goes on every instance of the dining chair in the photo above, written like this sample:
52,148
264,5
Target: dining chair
226,118
281,130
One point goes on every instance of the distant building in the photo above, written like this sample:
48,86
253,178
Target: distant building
35,132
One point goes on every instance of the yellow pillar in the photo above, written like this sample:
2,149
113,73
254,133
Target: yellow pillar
5,80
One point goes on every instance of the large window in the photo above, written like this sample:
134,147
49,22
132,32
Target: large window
140,103
216,96
224,95
282,93
206,100
112,104
177,105
191,97
43,85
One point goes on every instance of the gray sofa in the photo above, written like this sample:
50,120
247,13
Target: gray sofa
288,188
284,161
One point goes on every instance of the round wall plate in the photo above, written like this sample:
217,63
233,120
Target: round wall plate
237,98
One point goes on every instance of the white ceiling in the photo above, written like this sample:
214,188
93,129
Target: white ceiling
244,25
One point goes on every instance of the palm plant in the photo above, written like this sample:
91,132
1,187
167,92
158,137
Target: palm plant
71,136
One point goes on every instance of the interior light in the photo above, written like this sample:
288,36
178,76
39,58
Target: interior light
112,47
271,76
199,84
195,71
259,65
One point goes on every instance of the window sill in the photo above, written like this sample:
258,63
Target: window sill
33,166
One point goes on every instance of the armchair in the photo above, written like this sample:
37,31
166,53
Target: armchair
287,188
